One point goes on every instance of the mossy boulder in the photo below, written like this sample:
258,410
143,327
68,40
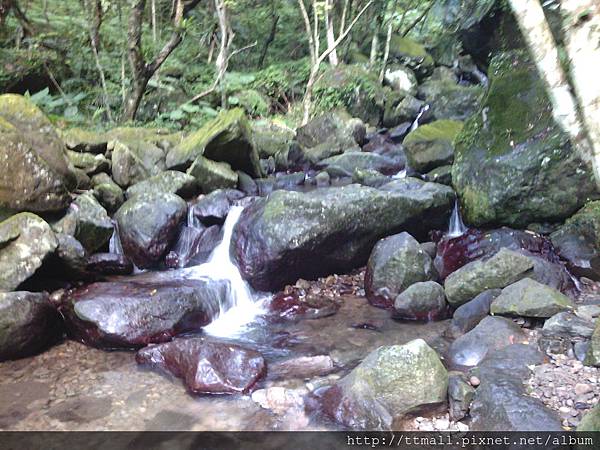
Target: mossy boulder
80,140
227,138
36,174
251,101
170,181
513,164
389,383
528,298
135,161
352,88
211,175
271,137
590,421
90,163
449,100
421,301
346,164
431,145
401,109
107,192
592,357
411,54
26,241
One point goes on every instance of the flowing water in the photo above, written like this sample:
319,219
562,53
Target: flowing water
456,227
416,123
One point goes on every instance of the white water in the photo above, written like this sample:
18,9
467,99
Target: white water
114,245
456,227
242,307
400,175
415,124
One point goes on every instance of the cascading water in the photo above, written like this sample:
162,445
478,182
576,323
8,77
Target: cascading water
114,245
415,124
242,306
456,227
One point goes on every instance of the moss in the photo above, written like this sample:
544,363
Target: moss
445,130
252,101
407,47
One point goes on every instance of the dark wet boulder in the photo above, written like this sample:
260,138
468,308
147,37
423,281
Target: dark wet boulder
207,367
134,160
345,164
108,264
88,222
213,208
142,310
578,240
528,298
490,335
390,382
193,246
502,402
530,173
36,174
421,301
442,175
467,316
449,100
504,268
212,175
28,324
170,182
292,235
396,263
26,241
107,192
227,139
148,224
71,255
431,146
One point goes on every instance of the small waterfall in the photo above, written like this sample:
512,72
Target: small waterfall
241,308
415,124
456,227
114,245
400,175
192,220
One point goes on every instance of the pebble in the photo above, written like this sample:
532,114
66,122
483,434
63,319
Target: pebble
474,381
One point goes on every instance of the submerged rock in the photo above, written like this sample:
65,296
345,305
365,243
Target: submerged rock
148,224
141,310
421,301
387,384
36,174
25,242
28,324
292,235
528,298
170,182
502,269
513,164
431,145
396,263
207,367
490,335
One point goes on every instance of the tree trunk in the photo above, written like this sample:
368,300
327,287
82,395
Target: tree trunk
269,41
333,58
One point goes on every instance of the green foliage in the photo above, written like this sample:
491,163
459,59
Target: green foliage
59,106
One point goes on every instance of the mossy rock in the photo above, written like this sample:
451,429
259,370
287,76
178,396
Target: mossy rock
431,145
212,175
227,138
590,421
80,140
271,137
170,181
513,164
251,101
449,100
134,161
410,53
107,192
592,357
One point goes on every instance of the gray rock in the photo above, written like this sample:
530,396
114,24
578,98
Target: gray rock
568,324
467,316
170,181
460,395
421,301
107,192
212,175
592,357
135,161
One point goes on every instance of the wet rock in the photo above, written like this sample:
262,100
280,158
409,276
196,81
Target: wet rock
567,324
329,135
501,401
134,161
88,222
292,235
592,357
441,175
148,224
345,164
213,208
226,139
451,101
490,335
302,367
207,367
591,421
411,54
108,264
528,298
25,243
84,141
36,173
460,395
530,174
401,79
467,316
72,256
292,307
142,310
405,109
502,269
91,164
170,182
212,175
421,301
387,384
396,263
193,246
28,324
370,178
107,192
431,145
280,400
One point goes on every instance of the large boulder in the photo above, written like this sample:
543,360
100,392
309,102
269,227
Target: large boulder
411,54
88,222
227,138
529,298
148,224
497,272
28,324
450,101
490,335
36,174
387,384
513,164
421,301
346,164
143,310
25,242
291,235
134,161
592,357
211,175
271,137
89,163
396,263
431,145
170,181
207,367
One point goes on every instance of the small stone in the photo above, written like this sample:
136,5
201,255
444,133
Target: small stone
581,388
474,381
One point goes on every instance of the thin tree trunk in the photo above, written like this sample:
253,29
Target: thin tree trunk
154,33
333,58
269,41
